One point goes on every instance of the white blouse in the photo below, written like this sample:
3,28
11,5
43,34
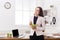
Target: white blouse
39,29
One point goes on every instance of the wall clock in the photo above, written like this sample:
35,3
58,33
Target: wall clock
7,5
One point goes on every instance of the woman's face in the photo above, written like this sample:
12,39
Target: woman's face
37,10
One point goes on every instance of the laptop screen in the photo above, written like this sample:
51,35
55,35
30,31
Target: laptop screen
15,33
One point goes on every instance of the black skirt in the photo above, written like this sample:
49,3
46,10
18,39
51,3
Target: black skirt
35,37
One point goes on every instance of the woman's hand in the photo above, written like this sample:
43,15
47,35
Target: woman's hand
33,26
30,23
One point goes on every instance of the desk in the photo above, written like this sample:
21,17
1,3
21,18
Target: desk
27,39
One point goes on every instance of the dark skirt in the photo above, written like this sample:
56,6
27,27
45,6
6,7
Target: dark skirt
35,37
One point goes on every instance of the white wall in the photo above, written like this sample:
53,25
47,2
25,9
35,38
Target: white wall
56,4
7,16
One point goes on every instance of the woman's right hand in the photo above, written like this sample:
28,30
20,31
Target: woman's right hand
30,23
33,26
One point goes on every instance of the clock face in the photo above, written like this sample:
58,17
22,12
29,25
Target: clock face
7,5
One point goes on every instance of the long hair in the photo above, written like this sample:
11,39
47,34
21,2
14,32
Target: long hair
40,12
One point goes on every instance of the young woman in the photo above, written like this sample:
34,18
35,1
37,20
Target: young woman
37,24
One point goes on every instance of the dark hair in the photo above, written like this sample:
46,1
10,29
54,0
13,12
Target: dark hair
40,12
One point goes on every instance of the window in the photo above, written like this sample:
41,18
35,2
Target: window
24,10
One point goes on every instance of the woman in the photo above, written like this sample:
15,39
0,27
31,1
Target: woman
37,24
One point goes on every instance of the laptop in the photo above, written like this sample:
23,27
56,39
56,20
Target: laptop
15,33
